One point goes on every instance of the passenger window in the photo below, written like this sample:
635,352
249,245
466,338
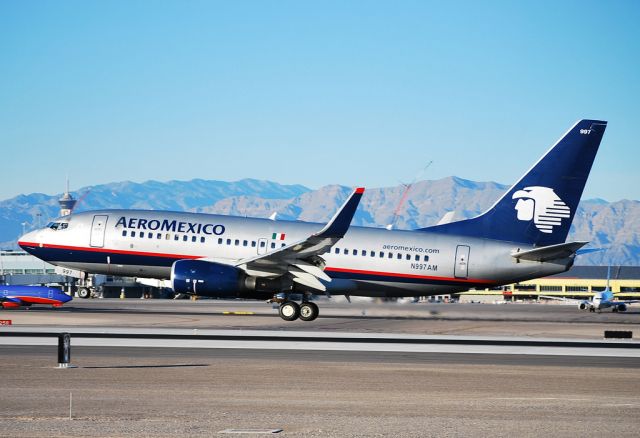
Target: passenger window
417,258
283,245
364,252
426,258
124,233
133,234
150,235
176,237
253,244
263,244
228,241
167,236
185,238
273,245
345,252
355,252
193,238
373,254
390,255
408,257
219,240
202,240
237,242
399,256
337,250
159,235
245,243
381,254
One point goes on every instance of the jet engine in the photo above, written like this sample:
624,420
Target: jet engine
211,279
622,307
199,277
583,306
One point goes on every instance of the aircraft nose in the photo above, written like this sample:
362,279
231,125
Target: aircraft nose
29,240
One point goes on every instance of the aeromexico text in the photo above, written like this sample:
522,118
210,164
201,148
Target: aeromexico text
173,226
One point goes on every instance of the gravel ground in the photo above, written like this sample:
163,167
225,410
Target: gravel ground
190,393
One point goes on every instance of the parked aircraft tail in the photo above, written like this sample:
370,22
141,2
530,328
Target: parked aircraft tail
539,208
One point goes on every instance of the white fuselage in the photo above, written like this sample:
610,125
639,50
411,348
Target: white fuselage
367,261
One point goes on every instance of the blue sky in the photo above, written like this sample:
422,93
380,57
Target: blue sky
315,93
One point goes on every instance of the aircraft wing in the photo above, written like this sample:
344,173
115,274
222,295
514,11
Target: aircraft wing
566,300
550,252
302,259
616,302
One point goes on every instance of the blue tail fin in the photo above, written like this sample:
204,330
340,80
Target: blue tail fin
539,208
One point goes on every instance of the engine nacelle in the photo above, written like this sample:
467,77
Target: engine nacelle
199,277
583,306
622,307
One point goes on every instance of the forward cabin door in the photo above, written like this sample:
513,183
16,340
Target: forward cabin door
461,269
98,228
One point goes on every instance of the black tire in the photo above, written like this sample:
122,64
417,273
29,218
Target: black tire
84,293
289,311
309,311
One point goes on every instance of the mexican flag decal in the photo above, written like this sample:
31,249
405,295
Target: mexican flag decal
277,236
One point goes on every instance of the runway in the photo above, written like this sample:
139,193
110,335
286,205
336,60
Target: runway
415,389
165,392
529,320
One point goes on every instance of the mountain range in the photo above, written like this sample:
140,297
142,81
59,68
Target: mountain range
614,227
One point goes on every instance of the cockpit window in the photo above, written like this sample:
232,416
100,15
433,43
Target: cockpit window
58,225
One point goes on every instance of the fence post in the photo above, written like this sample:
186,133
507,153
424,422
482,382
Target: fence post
64,350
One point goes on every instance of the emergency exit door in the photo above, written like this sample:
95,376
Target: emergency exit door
461,269
98,228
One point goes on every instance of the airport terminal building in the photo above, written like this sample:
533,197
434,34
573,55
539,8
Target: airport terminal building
579,282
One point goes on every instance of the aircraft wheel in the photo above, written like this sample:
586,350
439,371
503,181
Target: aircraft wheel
308,311
289,311
83,292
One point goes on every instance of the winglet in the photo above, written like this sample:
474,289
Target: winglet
339,224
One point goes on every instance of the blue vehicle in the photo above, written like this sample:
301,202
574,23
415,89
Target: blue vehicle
12,297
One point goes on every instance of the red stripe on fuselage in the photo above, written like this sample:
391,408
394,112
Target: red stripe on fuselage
109,251
401,275
329,269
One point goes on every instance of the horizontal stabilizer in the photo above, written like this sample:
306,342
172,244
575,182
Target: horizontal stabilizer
552,252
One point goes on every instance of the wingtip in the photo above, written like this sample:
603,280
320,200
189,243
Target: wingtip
360,190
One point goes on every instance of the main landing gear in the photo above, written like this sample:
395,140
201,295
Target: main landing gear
306,311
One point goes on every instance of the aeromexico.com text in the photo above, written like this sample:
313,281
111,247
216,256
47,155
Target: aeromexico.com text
411,249
173,226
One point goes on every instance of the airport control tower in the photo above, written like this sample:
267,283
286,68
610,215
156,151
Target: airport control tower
67,202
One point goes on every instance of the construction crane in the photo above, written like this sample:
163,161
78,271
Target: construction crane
405,194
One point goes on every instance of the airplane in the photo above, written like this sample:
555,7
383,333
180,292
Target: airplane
522,236
14,296
599,301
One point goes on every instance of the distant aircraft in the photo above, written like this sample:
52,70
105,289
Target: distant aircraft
599,301
24,296
522,236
